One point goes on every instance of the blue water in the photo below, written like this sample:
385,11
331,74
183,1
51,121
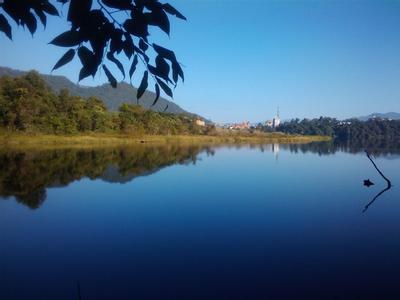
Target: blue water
215,223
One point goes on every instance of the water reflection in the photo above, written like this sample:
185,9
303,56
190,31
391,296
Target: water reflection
380,147
26,175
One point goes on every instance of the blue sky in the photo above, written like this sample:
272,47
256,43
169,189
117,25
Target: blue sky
243,58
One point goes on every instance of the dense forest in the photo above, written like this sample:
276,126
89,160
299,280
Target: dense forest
27,104
352,129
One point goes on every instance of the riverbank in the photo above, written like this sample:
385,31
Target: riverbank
18,140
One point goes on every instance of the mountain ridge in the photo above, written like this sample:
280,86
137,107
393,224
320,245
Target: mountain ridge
112,98
388,115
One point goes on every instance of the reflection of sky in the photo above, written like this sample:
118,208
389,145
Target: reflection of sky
239,219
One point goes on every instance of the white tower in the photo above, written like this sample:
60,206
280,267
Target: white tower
276,121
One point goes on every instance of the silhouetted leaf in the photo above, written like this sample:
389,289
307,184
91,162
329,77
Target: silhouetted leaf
84,72
67,39
111,57
143,85
177,71
50,9
137,26
120,4
162,68
142,45
172,11
110,77
5,27
128,46
88,61
164,87
133,67
159,18
78,10
164,52
116,44
165,109
41,16
66,58
157,94
30,21
86,56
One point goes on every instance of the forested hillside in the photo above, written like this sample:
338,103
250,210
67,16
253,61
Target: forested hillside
113,98
27,104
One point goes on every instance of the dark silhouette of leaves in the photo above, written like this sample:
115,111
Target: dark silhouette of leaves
5,27
159,18
67,39
30,22
41,16
110,77
111,57
164,52
133,67
115,27
165,87
142,45
172,11
78,10
119,4
49,8
88,61
157,94
162,67
66,58
143,85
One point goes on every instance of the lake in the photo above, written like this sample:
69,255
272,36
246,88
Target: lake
198,222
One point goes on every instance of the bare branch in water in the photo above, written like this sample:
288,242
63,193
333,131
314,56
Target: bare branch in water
376,197
379,171
388,187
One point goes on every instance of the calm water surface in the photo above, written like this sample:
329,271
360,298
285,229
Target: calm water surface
270,222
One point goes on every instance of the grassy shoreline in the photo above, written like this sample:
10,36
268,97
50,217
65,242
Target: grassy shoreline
18,140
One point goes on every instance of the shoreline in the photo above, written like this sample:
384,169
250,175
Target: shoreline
19,140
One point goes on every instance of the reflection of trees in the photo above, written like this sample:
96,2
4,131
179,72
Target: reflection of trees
26,175
376,147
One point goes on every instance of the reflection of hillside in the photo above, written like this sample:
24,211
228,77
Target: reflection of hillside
26,175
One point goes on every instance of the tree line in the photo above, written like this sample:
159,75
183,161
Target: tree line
28,105
351,129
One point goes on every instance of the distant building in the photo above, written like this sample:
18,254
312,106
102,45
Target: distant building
275,122
200,122
240,126
269,123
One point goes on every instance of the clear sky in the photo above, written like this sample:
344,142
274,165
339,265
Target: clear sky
243,58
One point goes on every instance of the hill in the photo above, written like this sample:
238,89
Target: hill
389,115
112,98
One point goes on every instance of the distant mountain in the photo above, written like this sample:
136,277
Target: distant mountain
113,98
389,115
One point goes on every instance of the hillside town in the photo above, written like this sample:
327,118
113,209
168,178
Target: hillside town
246,125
